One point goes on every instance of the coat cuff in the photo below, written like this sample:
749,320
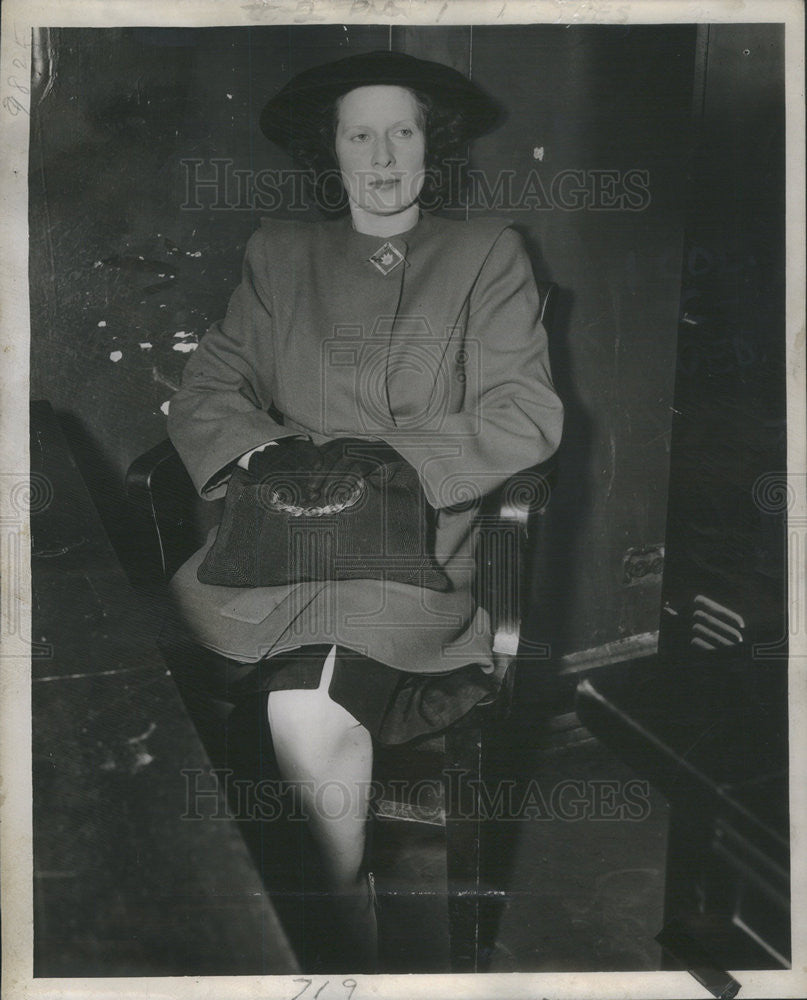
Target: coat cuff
243,461
212,481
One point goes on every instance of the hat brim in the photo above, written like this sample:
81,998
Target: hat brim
294,115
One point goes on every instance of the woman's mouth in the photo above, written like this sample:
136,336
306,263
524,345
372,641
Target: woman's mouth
384,185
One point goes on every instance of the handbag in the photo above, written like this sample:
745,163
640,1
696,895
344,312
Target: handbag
378,530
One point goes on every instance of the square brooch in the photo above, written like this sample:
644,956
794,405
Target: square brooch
386,258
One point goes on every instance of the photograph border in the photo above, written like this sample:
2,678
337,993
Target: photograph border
18,18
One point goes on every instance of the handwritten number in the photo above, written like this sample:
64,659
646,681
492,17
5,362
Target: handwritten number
13,106
349,984
12,82
12,103
307,984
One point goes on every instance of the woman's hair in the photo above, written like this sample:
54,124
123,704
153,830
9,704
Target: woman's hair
446,164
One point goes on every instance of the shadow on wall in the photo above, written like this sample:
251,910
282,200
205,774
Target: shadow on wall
552,602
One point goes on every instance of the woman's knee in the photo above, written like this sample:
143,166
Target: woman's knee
312,723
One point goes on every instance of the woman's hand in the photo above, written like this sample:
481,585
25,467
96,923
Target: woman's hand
302,473
345,461
290,467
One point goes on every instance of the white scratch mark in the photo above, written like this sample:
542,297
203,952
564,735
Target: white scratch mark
165,406
145,345
115,356
538,153
102,323
157,375
142,758
143,736
612,450
93,673
186,346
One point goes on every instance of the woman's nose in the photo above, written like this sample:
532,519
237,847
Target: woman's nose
382,154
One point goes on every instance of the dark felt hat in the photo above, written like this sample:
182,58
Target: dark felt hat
293,114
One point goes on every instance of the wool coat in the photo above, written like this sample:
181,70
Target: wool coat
433,344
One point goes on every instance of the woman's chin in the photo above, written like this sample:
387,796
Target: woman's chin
387,208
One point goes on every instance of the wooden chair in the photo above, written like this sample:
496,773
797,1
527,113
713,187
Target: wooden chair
174,522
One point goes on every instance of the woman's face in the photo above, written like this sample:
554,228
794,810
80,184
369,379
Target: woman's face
381,148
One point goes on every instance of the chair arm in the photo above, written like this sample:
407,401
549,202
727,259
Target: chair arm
510,520
161,492
140,475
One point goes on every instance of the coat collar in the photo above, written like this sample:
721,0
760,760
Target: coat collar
362,246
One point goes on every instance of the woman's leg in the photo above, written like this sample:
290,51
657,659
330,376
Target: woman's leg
321,746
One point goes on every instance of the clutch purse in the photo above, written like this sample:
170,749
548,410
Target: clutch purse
379,529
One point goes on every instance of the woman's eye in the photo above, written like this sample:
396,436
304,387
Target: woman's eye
405,132
360,137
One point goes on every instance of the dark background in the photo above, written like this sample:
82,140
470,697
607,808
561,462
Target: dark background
116,260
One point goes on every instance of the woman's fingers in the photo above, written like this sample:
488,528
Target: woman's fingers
345,462
305,474
335,486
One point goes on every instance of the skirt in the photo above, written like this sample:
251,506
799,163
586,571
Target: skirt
394,706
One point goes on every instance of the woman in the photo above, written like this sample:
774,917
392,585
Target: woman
388,325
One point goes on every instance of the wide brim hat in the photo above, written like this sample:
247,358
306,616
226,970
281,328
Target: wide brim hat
294,114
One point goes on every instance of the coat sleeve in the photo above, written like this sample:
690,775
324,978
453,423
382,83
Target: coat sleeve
220,410
511,417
